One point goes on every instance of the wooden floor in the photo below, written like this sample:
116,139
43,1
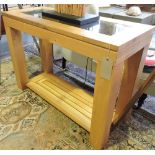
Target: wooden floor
72,101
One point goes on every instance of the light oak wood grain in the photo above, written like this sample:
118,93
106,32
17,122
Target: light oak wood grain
84,48
131,68
69,103
112,97
17,54
46,53
99,39
105,95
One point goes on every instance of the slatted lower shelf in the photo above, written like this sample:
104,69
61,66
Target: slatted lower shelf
71,100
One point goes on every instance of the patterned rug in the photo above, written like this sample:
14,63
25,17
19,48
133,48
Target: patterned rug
28,122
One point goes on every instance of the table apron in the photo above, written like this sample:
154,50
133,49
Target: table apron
78,46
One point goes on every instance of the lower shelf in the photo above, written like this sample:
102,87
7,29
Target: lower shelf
71,100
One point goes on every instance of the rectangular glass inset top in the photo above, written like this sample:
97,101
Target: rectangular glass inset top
101,26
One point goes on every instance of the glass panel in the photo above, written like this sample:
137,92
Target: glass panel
103,27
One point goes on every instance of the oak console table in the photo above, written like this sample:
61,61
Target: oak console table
119,49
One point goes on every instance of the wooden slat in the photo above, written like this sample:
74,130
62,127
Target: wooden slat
74,91
61,94
65,94
73,107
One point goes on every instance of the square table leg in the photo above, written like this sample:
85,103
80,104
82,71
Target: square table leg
105,96
46,53
17,55
133,67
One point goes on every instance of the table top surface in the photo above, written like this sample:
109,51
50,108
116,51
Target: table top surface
101,26
106,31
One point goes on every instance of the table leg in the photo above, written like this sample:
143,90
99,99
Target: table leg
140,69
17,55
105,96
46,53
132,68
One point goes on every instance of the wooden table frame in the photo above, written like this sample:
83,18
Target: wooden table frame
111,96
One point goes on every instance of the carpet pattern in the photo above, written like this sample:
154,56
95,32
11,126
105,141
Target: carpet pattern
29,122
16,115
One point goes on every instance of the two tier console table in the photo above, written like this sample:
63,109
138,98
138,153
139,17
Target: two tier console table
118,47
